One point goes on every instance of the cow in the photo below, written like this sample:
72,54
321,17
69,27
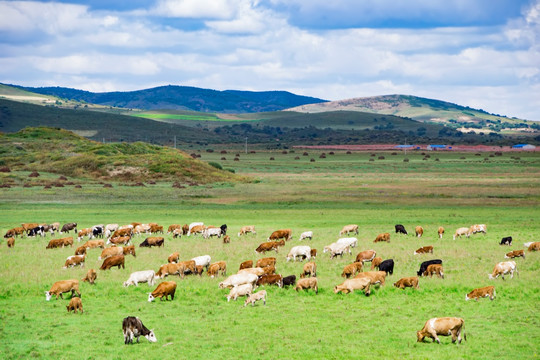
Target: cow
299,251
247,229
192,225
147,276
268,261
425,264
460,232
55,226
223,229
350,285
170,269
376,262
503,268
400,229
98,231
10,242
313,253
119,240
352,269
68,241
240,290
535,246
174,257
382,237
348,229
203,260
407,282
336,249
112,251
173,227
256,271
269,246
152,241
478,228
217,267
270,280
350,241
91,277
239,279
269,270
254,297
117,260
165,289
306,235
109,229
155,228
441,326
424,250
199,269
38,230
84,232
289,280
141,228
63,286
440,232
209,232
310,269
307,283
55,243
197,229
488,291
226,239
436,269
122,231
515,254
419,231
133,327
366,255
91,244
81,250
506,241
75,304
16,231
376,277
185,229
74,260
177,233
285,234
246,264
29,226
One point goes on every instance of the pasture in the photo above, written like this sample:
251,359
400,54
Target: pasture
322,196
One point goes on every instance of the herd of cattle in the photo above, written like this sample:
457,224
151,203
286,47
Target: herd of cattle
249,277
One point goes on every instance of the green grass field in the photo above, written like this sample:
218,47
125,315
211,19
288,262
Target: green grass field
322,196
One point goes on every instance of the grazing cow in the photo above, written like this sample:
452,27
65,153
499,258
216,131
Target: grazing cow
478,228
247,229
192,225
440,232
74,260
91,244
535,246
10,242
382,237
271,280
419,231
141,228
307,283
113,251
133,327
460,232
68,241
376,277
123,231
424,250
289,280
91,276
269,270
256,271
84,232
441,326
169,269
254,297
313,253
223,229
336,249
117,260
209,232
367,255
310,269
306,235
515,254
299,251
350,241
425,264
165,289
348,229
376,262
38,230
173,227
119,240
352,269
407,282
177,233
269,246
81,250
63,286
281,234
197,229
226,239
185,229
155,228
436,269
400,229
199,269
75,304
174,257
216,268
246,264
14,232
97,231
488,291
109,229
503,268
203,260
506,241
350,285
29,226
147,276
239,279
152,241
240,290
55,243
268,261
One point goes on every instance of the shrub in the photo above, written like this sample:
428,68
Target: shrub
236,159
381,158
272,158
297,158
224,158
312,160
216,165
405,160
223,151
305,154
230,170
371,159
209,150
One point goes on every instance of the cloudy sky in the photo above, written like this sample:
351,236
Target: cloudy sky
480,53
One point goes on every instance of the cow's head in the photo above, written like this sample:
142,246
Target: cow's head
151,337
48,295
419,336
150,297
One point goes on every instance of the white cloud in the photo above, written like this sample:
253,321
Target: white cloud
213,9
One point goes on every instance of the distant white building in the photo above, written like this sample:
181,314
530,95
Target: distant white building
524,147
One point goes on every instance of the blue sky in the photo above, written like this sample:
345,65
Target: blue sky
480,53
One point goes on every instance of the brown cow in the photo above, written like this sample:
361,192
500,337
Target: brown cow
63,286
352,269
246,265
376,277
269,246
247,229
117,260
217,267
307,283
123,231
310,269
350,285
226,239
173,227
29,226
75,304
535,246
281,234
81,250
440,232
442,326
313,253
91,276
10,242
14,232
120,240
419,231
349,228
165,289
185,229
488,291
269,270
436,269
268,261
197,229
270,280
515,254
424,250
382,237
155,228
174,257
91,244
153,241
169,269
366,255
75,260
113,251
407,282
85,232
376,262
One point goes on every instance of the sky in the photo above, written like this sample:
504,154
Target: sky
479,53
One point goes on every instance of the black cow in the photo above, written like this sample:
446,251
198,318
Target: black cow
66,228
400,229
289,280
38,230
133,327
223,229
506,241
425,264
387,266
97,231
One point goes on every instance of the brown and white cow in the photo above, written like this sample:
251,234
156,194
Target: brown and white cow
348,229
310,269
419,231
434,269
63,286
515,254
285,234
503,268
247,229
366,255
163,290
440,232
174,257
407,282
352,269
442,326
488,291
478,228
85,232
75,260
424,250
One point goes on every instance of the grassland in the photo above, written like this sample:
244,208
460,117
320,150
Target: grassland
502,192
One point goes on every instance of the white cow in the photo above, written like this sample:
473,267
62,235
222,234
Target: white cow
239,279
299,251
352,241
461,231
109,229
137,277
240,290
203,260
256,271
211,232
306,235
336,249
